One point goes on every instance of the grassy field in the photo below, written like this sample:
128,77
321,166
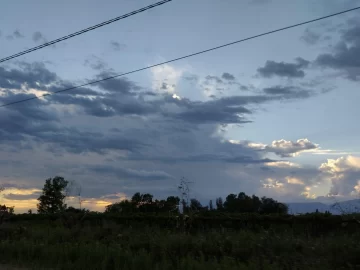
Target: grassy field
108,245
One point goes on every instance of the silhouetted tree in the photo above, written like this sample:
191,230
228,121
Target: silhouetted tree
256,203
211,207
219,204
230,204
52,198
75,210
195,205
271,206
124,206
136,198
172,203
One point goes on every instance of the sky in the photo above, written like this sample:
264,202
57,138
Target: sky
275,116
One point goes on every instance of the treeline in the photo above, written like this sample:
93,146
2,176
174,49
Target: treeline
55,190
241,203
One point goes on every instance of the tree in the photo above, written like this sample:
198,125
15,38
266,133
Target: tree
230,204
271,206
195,205
172,203
136,198
53,195
124,206
219,204
211,207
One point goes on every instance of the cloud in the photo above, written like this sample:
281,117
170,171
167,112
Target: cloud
17,34
131,173
285,148
287,90
344,56
39,37
311,37
116,46
95,63
166,74
228,76
147,136
344,174
282,69
214,78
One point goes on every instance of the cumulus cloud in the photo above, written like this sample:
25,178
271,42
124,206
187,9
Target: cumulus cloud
282,69
285,148
282,148
166,75
344,174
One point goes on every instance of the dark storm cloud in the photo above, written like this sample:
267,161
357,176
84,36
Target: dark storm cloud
345,55
117,46
282,69
76,141
288,90
204,158
34,75
116,85
228,76
37,121
128,173
210,113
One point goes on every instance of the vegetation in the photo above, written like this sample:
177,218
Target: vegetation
52,198
242,232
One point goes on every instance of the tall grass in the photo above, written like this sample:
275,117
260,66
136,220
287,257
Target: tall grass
113,246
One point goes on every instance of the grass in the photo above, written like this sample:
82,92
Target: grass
112,246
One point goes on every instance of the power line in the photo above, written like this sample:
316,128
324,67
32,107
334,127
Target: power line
84,30
183,57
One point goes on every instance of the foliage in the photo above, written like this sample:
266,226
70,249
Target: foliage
53,196
106,244
144,203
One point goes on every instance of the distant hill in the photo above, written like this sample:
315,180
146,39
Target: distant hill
309,207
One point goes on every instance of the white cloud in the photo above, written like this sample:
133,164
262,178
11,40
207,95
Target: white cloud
282,147
285,148
166,78
272,183
283,164
344,175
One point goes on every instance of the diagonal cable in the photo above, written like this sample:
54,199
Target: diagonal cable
84,30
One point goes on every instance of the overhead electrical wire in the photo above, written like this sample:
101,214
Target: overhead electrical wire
183,57
84,30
